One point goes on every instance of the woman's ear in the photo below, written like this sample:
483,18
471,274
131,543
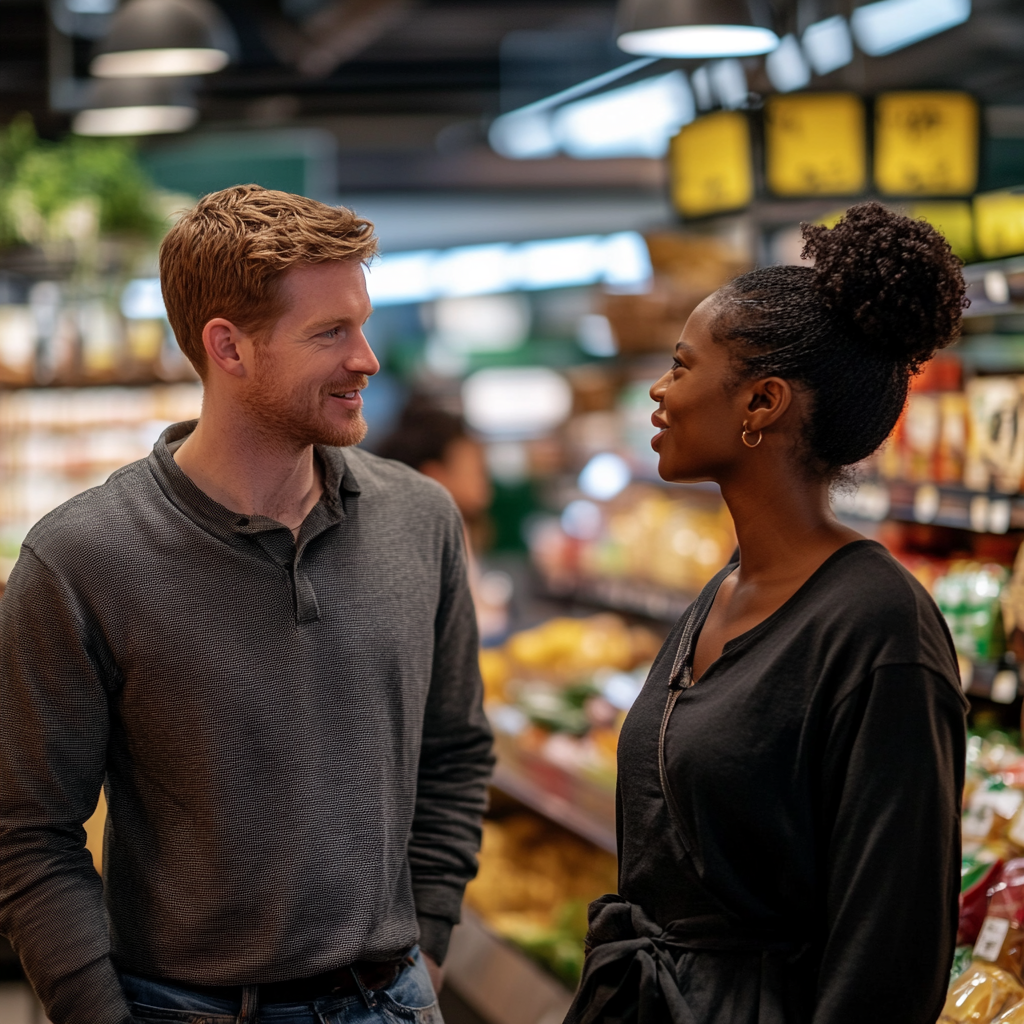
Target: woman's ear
769,400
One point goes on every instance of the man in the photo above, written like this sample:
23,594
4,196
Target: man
261,640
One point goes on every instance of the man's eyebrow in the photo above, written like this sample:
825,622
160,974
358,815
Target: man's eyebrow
326,325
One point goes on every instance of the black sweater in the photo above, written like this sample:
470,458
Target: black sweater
817,768
292,736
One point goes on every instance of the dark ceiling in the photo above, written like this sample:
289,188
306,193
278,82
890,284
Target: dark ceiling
417,75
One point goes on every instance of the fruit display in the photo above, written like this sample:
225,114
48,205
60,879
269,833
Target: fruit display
557,694
534,884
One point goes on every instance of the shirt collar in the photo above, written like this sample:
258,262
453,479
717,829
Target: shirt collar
340,478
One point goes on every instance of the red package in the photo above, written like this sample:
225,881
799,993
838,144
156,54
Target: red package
974,905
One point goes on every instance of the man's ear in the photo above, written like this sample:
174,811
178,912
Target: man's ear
226,346
769,400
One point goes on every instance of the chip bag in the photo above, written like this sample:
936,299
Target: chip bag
980,994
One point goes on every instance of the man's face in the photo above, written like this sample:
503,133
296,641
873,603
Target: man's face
309,371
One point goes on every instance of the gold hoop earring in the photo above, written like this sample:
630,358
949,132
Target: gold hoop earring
743,437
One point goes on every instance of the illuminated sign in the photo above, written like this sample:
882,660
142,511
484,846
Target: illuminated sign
711,165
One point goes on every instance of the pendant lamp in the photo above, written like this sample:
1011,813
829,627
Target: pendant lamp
697,29
136,106
166,38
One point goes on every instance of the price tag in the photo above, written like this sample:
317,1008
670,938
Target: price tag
990,938
814,145
926,144
710,165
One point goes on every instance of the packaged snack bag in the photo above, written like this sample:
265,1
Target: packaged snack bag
979,995
975,881
990,810
1013,1015
995,444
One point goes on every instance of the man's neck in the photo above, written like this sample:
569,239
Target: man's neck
236,464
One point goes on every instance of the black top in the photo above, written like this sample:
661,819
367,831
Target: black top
292,735
817,769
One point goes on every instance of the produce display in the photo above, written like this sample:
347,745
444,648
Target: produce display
646,535
534,884
557,694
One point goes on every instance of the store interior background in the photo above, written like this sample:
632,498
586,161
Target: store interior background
550,209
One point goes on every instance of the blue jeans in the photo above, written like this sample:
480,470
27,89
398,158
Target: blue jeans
409,999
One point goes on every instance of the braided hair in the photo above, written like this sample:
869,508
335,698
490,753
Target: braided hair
885,293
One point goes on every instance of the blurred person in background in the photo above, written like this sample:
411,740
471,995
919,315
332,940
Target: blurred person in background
790,776
260,641
436,443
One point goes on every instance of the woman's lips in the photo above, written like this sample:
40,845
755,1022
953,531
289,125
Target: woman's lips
656,440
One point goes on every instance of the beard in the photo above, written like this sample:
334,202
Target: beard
297,418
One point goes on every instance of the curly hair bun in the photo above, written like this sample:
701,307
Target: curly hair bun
892,281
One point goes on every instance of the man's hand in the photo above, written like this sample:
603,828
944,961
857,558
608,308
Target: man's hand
435,971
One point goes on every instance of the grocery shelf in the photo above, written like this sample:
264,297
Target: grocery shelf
933,504
554,806
498,981
993,681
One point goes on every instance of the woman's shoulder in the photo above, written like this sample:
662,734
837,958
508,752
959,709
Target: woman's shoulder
864,594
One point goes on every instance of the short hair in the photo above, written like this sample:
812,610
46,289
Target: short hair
422,435
225,258
885,293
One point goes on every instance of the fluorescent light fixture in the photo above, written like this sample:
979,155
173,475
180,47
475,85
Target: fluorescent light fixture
786,66
519,401
620,261
134,120
527,134
702,91
604,476
176,62
143,300
634,120
482,323
828,44
596,337
696,41
471,270
729,82
890,25
523,135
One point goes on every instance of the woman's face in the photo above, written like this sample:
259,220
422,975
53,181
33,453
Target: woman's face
700,411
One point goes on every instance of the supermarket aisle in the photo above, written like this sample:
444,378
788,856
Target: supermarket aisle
18,1005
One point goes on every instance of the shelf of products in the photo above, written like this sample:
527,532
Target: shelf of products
57,442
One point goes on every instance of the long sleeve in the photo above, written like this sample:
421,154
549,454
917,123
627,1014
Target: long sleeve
54,726
893,777
455,761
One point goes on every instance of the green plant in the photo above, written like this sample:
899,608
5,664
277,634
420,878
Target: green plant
74,187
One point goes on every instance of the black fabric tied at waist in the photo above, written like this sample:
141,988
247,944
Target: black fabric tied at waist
630,975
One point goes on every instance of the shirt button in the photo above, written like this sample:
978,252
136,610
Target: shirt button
244,521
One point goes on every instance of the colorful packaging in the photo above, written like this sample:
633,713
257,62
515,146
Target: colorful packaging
979,995
975,882
995,435
969,599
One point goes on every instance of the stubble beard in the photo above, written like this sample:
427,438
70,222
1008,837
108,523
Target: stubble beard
292,419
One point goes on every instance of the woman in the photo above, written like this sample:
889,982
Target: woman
790,776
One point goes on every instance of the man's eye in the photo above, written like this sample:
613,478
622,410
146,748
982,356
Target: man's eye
332,333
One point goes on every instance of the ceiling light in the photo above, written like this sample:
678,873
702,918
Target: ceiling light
166,38
890,25
786,66
635,120
828,45
136,106
520,401
729,82
691,28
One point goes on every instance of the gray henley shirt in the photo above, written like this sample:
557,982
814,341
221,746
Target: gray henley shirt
290,734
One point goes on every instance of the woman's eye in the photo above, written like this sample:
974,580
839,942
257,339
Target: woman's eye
676,365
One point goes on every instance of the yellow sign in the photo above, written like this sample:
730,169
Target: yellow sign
711,165
814,145
926,144
999,224
954,219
